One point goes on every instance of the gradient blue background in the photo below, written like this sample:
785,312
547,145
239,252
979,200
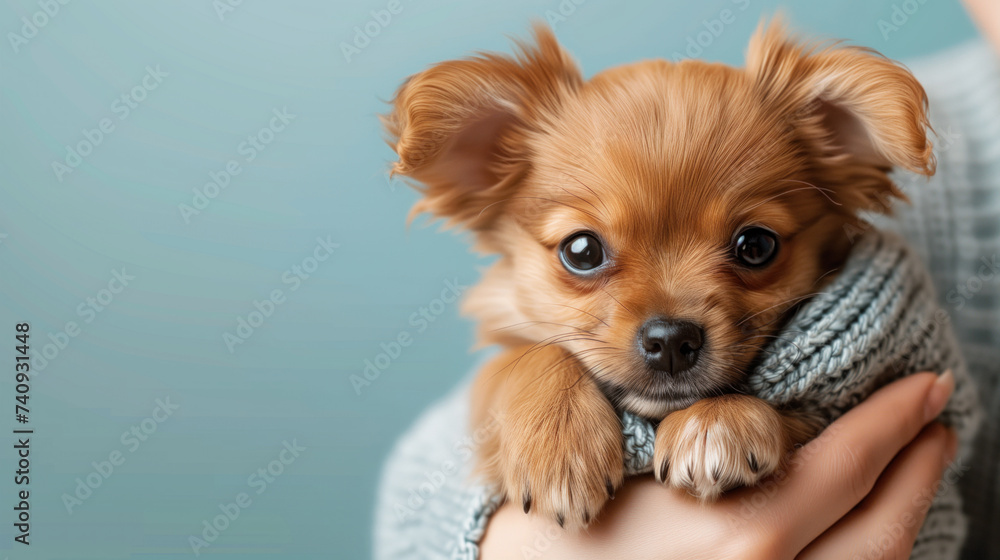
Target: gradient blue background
323,175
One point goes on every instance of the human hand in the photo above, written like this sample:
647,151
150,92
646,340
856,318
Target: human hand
841,496
986,14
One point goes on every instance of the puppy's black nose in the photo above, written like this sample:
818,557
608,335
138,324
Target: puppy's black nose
670,346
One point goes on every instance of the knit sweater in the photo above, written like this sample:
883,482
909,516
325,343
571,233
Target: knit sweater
880,319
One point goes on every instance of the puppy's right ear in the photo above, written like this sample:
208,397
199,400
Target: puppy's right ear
460,127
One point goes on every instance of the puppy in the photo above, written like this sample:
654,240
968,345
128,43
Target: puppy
655,226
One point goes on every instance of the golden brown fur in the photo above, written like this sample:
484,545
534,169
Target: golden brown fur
665,163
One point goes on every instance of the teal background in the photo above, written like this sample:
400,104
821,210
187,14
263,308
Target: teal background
322,176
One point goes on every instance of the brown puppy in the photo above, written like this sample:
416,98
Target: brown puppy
655,224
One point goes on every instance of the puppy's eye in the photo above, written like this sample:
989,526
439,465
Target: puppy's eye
581,253
756,246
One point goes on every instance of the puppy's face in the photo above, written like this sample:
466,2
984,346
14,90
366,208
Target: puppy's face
662,232
659,221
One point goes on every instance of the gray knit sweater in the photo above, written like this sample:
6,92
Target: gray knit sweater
883,317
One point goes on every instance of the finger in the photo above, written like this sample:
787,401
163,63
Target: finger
831,474
986,14
885,524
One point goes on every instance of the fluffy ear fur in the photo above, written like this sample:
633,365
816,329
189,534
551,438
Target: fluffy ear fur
459,127
858,113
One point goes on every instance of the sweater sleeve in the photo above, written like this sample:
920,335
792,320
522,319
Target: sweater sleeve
428,504
952,222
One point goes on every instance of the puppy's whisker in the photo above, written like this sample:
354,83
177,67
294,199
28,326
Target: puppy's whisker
765,335
790,301
548,342
783,193
569,337
566,204
591,191
527,323
619,303
584,371
825,274
821,190
512,365
597,371
578,355
581,198
581,311
508,199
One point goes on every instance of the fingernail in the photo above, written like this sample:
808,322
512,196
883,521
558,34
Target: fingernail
938,395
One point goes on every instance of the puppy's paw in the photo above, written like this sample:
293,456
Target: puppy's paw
563,462
718,444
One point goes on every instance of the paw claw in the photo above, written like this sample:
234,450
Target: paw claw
561,520
611,489
664,469
752,462
527,503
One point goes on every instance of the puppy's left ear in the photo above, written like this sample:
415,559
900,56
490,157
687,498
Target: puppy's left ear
856,112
